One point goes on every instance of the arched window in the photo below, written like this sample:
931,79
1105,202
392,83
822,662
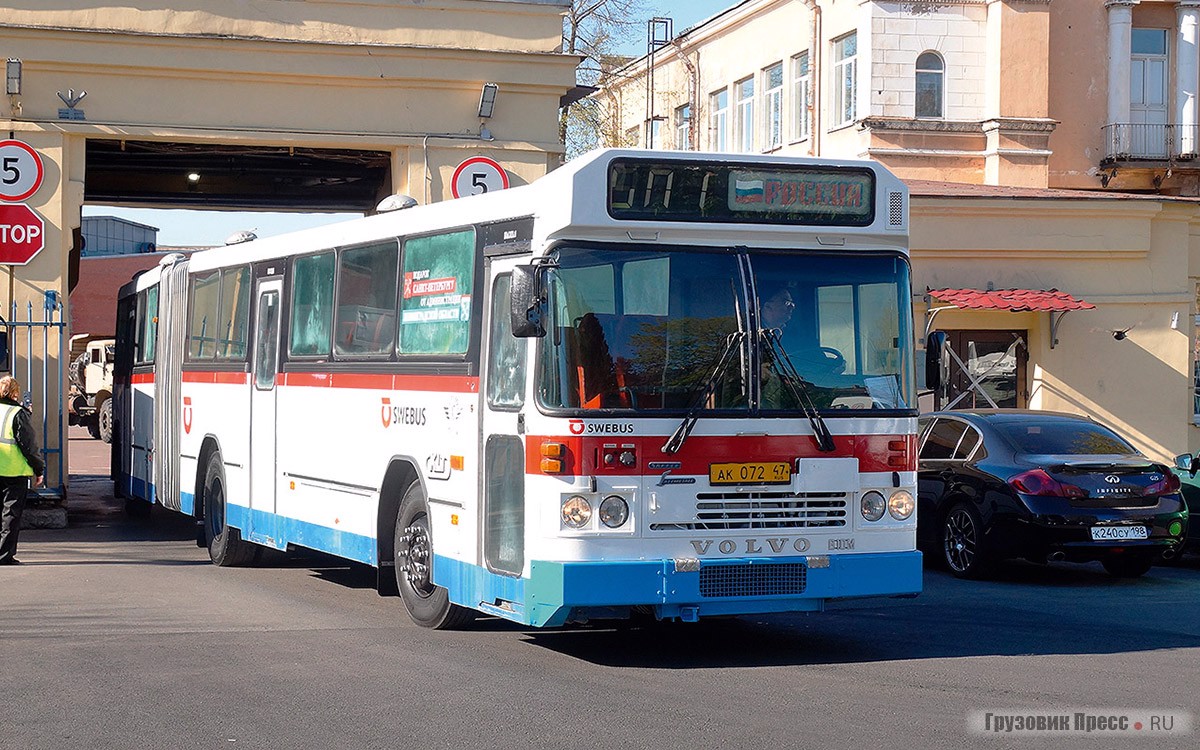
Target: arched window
931,85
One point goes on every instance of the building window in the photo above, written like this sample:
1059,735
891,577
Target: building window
773,107
845,79
744,140
801,91
931,82
683,127
654,133
718,104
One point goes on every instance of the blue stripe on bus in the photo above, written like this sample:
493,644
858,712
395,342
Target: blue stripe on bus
557,590
277,531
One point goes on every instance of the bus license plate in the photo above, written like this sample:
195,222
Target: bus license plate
774,472
1107,533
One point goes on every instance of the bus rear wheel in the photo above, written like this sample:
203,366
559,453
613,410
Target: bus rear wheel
225,545
427,603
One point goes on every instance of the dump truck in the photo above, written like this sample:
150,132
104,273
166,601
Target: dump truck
89,400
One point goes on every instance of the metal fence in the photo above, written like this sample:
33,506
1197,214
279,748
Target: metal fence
1124,141
37,350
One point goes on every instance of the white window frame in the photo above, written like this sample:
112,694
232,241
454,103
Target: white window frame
683,127
801,124
719,122
772,109
744,115
845,80
653,131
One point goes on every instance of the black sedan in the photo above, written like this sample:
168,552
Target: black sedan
1000,484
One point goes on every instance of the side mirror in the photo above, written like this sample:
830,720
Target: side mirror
937,364
1187,462
528,302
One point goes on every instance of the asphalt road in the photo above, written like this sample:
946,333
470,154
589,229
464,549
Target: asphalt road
118,633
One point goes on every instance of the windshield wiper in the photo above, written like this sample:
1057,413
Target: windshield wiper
675,442
798,387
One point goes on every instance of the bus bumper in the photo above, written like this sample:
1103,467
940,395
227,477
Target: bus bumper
561,592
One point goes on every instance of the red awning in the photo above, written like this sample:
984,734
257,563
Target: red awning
1013,300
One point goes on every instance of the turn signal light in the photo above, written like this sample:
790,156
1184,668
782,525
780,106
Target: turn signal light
554,450
552,466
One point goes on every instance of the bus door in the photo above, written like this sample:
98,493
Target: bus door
502,517
268,299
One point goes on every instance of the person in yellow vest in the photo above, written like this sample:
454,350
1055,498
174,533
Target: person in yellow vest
20,460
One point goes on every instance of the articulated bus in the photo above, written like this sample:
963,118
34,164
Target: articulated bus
649,383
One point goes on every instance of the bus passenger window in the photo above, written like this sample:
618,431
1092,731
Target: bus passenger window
311,319
234,318
206,292
435,307
366,313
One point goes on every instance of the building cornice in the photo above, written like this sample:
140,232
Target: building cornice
911,125
1020,124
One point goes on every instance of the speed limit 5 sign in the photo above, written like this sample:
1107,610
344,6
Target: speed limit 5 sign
20,171
476,176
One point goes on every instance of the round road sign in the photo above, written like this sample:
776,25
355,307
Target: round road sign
22,234
20,171
476,176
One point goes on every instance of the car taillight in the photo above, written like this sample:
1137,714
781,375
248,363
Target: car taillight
1165,486
1038,482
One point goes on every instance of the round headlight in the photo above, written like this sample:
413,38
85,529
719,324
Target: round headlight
873,506
901,504
614,511
576,512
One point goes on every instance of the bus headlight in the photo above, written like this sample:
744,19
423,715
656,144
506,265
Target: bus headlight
901,504
576,512
614,511
873,506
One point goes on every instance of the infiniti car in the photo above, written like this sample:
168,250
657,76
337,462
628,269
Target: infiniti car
1008,483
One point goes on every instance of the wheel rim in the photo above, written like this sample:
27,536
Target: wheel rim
415,557
961,540
215,513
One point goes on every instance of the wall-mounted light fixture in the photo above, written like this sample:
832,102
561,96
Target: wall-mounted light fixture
487,99
12,76
193,177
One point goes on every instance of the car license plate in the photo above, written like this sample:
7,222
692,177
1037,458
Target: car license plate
1110,533
772,472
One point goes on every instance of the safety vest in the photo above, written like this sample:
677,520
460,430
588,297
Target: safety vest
12,460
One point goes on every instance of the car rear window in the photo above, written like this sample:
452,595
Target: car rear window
1060,437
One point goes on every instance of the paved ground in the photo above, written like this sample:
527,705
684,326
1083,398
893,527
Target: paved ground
117,633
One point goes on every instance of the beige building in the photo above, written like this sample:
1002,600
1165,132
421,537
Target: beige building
320,105
1024,128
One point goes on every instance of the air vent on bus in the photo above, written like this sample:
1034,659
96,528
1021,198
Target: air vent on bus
895,209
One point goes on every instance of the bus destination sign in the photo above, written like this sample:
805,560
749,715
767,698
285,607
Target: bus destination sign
645,190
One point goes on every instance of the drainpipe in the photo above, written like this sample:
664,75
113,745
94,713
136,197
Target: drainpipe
693,93
814,77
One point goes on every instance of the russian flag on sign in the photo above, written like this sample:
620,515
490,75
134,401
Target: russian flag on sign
748,191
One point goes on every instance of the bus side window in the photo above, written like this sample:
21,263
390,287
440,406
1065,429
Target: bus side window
435,305
311,317
506,353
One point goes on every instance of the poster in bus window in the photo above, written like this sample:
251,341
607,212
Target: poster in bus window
435,305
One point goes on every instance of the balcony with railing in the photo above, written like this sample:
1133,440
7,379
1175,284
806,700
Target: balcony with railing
1131,142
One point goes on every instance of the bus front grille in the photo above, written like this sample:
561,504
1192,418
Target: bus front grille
717,511
758,579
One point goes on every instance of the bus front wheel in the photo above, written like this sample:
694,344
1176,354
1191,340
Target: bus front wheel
427,604
225,545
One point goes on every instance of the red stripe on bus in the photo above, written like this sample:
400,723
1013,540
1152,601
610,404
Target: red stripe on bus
141,378
586,455
381,382
226,378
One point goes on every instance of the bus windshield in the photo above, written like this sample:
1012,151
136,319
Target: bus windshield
646,330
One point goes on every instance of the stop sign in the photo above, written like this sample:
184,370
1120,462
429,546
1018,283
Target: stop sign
22,234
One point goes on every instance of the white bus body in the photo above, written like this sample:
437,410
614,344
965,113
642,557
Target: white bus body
643,455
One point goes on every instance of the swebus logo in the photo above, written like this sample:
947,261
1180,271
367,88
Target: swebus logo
410,415
187,415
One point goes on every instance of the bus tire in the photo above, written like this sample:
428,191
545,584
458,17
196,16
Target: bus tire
225,545
428,604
